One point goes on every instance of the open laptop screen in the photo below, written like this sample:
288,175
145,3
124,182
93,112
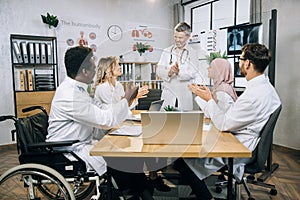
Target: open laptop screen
156,105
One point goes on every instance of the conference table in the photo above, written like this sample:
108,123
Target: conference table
215,144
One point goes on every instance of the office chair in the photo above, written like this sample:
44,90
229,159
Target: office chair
258,160
153,95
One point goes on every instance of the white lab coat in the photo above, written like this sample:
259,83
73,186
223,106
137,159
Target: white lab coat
74,115
190,71
225,101
107,94
245,119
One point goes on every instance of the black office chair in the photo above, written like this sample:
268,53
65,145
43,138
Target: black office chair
259,158
153,95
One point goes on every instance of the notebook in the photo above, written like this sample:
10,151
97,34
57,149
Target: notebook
172,127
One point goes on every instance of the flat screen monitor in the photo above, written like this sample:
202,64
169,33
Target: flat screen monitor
239,35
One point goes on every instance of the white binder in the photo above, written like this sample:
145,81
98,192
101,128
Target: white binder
17,52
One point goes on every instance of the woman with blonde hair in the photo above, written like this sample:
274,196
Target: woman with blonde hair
107,89
110,91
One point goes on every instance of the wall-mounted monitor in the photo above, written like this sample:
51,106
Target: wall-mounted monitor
239,35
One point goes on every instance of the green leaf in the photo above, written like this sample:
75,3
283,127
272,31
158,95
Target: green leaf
50,20
214,55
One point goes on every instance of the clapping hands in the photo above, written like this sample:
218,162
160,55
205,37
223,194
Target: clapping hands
142,91
201,91
174,69
131,93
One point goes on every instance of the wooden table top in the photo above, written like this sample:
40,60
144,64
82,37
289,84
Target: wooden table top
215,144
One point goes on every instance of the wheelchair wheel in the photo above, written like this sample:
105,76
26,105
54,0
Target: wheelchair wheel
81,190
22,182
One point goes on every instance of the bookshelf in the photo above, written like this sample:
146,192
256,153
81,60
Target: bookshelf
141,73
34,71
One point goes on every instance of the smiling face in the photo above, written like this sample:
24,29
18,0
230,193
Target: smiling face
180,39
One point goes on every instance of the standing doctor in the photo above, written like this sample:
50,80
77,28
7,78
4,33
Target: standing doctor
179,66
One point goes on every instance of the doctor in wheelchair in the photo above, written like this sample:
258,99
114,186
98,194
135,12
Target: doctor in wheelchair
74,115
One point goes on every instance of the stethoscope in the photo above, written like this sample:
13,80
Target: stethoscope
183,57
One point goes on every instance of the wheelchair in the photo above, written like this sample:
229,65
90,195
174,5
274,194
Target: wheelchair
45,172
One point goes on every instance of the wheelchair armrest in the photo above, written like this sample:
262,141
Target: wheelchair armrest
53,144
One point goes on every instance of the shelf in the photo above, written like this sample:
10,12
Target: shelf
141,73
34,70
26,99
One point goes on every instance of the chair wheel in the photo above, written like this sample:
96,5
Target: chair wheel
273,192
218,189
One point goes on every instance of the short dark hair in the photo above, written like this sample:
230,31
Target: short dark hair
258,54
77,58
183,27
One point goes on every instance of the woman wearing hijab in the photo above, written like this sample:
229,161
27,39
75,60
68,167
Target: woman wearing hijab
223,93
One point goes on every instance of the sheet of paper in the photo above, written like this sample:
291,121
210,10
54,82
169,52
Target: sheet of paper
136,117
128,130
207,126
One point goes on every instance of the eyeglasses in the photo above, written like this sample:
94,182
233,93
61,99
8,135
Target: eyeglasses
243,58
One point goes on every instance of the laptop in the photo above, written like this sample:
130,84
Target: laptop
172,127
154,106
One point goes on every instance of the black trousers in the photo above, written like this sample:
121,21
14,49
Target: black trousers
128,173
198,186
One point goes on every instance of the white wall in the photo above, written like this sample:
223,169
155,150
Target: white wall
287,70
23,17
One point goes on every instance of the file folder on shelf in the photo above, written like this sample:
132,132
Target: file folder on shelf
20,80
29,79
24,52
43,53
17,52
49,54
30,47
37,53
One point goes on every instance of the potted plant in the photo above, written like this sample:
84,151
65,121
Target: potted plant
50,20
142,48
